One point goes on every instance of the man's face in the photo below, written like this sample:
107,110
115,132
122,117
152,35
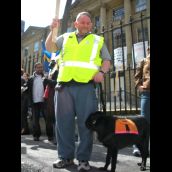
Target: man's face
39,69
83,24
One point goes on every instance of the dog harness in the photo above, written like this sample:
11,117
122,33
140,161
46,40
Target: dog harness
125,126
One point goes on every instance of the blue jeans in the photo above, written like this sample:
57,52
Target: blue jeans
71,101
145,104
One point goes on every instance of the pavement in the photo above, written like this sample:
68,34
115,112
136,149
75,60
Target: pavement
38,156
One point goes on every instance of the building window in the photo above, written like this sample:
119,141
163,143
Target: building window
117,38
36,46
118,14
140,34
140,5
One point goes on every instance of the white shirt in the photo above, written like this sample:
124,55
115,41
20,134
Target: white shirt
38,89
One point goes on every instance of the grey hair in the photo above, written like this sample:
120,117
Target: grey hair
83,14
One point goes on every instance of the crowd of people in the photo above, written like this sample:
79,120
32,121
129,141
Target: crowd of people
68,92
33,97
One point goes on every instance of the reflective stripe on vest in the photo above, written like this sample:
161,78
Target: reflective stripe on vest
80,61
95,48
80,64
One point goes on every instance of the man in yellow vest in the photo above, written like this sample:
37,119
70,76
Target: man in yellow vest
84,61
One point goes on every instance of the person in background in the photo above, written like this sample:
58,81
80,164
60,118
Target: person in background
37,84
49,96
142,83
22,80
24,104
84,62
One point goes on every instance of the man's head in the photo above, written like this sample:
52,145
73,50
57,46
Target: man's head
25,76
39,68
83,23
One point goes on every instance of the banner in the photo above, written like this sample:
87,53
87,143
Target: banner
118,59
139,52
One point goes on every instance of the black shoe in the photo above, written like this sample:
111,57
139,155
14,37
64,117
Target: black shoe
62,163
36,138
25,132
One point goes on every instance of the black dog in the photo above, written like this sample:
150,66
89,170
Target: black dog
105,126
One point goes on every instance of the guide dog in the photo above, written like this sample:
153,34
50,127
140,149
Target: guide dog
115,138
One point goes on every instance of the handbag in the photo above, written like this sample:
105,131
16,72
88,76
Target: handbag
46,92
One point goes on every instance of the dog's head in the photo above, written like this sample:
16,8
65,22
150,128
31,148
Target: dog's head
92,120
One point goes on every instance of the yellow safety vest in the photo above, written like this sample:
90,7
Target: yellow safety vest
80,61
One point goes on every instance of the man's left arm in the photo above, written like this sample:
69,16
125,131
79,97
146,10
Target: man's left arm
99,77
105,66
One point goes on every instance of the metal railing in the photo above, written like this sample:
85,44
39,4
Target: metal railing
119,92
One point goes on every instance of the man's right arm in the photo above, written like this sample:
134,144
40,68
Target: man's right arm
49,43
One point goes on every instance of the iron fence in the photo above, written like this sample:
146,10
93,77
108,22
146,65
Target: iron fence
119,92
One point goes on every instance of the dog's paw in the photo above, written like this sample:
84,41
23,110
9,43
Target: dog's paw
142,168
103,169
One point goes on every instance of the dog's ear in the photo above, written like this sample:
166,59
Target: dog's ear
96,116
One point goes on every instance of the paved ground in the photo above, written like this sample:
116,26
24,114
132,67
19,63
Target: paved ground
38,157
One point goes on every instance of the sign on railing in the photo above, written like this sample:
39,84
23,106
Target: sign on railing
118,58
139,52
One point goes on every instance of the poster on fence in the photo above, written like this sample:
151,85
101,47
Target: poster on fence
139,52
118,58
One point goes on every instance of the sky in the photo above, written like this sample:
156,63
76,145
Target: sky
39,12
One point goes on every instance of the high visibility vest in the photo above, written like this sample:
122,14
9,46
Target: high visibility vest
80,61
